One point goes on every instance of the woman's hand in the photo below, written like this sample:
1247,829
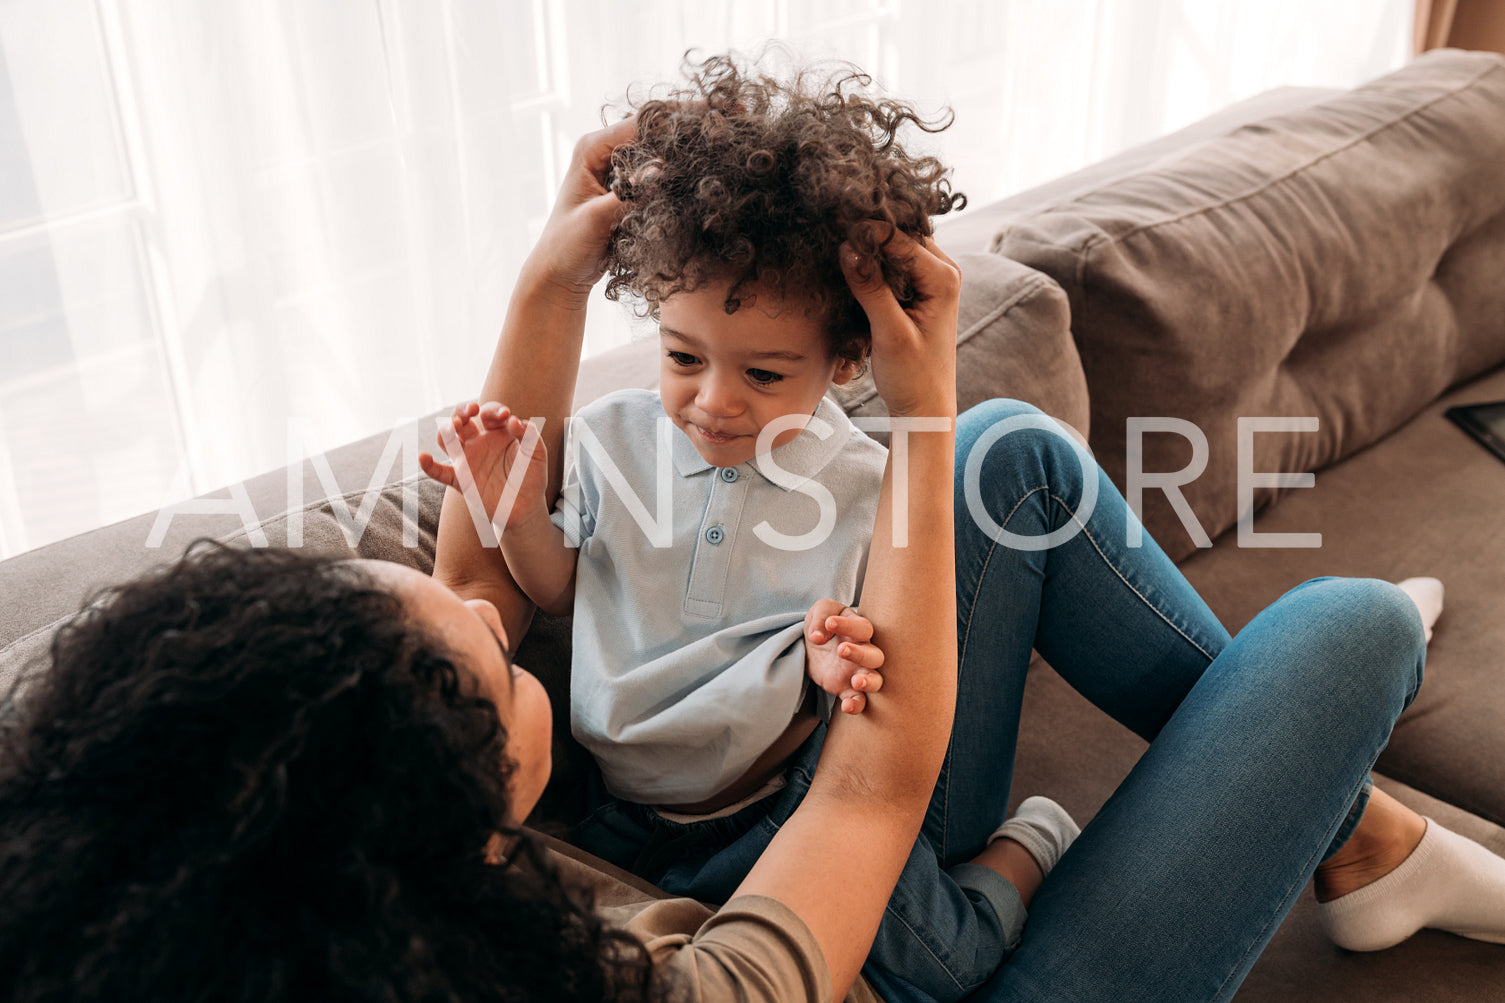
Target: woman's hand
570,253
914,346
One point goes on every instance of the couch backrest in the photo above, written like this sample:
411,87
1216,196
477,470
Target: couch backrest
1341,261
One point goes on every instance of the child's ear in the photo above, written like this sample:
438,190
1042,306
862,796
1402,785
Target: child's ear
847,370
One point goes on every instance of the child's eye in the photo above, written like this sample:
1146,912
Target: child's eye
683,358
763,376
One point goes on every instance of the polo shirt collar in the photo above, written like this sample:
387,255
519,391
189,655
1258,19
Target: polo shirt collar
801,459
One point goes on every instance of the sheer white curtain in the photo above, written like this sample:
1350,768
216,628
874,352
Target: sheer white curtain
217,218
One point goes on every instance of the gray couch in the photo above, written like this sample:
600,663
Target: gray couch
1336,255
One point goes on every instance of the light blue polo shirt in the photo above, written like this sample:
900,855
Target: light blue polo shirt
689,658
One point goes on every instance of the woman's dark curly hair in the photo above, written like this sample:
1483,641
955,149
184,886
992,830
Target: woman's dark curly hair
740,176
249,777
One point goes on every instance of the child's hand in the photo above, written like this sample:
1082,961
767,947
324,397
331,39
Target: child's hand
497,448
839,654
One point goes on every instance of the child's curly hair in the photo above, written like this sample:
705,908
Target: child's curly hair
744,177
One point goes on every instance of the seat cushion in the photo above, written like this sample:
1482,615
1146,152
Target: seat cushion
1340,261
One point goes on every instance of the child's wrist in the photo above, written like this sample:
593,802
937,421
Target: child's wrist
533,518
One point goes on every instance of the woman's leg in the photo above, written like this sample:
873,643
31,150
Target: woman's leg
1180,880
1121,623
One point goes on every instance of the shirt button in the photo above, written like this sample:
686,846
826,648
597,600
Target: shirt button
714,535
728,474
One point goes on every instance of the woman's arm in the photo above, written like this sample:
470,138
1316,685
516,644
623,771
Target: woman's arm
537,358
837,860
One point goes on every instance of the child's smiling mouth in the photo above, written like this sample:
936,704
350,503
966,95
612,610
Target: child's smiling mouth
716,438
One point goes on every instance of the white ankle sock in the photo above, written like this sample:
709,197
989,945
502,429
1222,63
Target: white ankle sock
1043,828
1448,883
1426,593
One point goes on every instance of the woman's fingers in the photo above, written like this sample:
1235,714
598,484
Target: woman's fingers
934,248
932,270
935,276
865,279
914,346
594,149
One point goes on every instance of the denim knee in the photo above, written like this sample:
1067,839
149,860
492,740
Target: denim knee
1380,618
977,419
1007,450
1002,428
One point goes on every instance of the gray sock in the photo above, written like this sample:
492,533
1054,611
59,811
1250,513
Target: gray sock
1043,828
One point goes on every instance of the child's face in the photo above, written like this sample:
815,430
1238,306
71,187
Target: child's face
723,377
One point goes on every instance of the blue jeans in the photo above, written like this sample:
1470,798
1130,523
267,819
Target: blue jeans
1257,769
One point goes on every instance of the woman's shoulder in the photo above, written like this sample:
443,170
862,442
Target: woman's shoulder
753,948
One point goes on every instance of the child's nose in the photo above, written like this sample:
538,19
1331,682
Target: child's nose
719,397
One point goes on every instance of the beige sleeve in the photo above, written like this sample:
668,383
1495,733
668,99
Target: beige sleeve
754,950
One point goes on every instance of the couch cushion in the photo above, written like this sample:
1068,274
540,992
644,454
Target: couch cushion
1340,261
1427,500
974,228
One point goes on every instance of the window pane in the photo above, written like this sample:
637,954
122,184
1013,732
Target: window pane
59,144
85,404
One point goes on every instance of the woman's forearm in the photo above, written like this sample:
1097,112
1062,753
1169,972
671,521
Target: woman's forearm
538,356
894,749
537,359
836,861
533,372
